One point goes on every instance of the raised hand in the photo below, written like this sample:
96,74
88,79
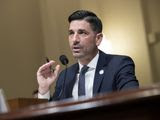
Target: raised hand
46,77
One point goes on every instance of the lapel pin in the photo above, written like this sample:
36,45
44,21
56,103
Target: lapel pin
101,72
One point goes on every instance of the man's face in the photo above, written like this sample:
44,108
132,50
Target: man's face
83,40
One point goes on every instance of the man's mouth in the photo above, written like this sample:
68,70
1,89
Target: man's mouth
76,48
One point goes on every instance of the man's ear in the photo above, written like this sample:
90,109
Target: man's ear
99,37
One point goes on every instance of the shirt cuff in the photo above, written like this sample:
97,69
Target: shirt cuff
45,96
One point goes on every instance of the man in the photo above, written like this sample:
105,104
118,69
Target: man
104,73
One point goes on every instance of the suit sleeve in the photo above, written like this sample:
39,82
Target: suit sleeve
125,77
58,89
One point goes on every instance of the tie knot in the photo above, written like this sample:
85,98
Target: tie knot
84,69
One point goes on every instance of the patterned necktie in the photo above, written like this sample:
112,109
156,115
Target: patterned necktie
81,84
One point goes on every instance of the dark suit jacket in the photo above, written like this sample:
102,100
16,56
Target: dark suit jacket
119,74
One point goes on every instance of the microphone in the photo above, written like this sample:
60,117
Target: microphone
64,60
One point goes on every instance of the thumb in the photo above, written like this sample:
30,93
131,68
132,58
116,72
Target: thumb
57,70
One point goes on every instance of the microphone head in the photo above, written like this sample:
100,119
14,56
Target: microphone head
63,59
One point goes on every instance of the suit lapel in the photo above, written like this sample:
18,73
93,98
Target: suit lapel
71,78
99,74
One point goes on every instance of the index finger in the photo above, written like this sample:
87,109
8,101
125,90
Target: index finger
46,66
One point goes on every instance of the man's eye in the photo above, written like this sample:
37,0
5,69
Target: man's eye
82,32
71,32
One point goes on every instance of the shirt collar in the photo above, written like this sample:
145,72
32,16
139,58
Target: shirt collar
92,63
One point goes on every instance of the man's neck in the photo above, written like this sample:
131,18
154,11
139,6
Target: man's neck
87,59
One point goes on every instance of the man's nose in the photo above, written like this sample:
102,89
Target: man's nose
76,38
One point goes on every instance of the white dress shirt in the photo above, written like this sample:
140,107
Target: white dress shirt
89,80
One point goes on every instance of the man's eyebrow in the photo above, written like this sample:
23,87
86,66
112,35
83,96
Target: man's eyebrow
82,30
70,30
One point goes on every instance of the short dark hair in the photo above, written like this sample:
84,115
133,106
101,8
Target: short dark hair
89,16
